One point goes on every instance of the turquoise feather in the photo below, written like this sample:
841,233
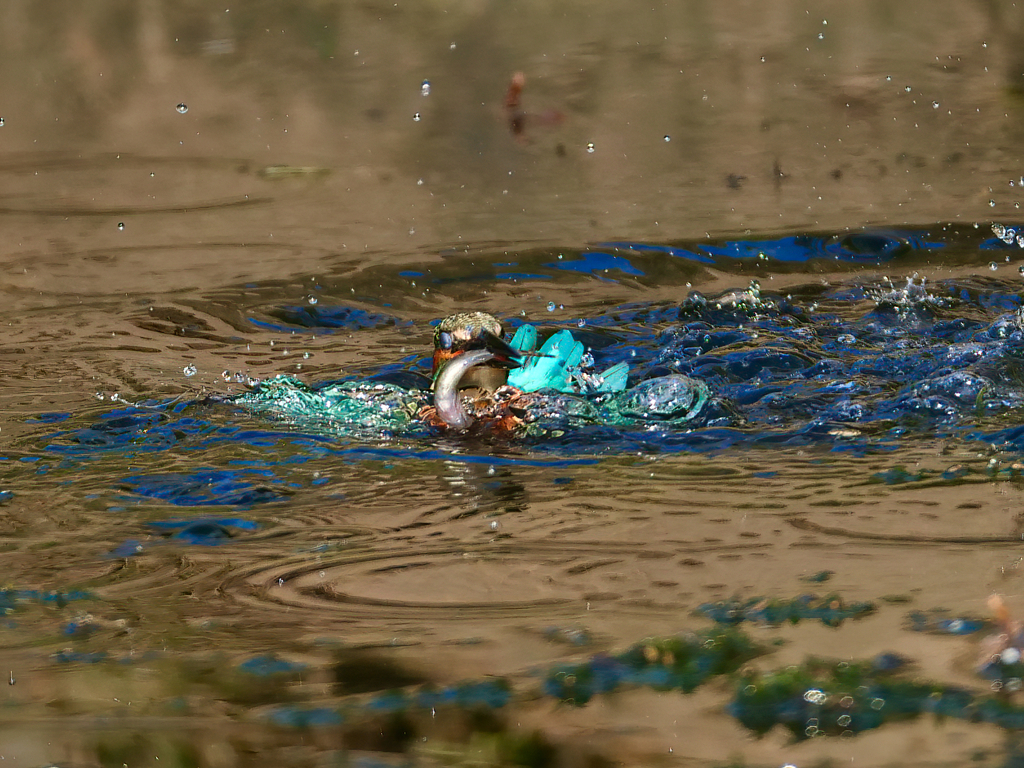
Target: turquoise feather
525,339
557,366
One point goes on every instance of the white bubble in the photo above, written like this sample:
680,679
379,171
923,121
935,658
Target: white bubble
993,266
1,122
182,108
667,138
416,117
425,88
991,203
313,299
907,89
551,306
120,226
189,370
582,323
590,147
495,525
935,105
815,696
1010,656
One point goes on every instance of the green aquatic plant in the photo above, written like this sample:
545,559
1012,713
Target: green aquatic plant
831,610
674,663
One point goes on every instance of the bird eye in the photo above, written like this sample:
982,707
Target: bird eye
445,340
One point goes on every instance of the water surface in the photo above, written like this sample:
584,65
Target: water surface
189,579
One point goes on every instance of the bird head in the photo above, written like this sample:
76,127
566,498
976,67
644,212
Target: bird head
470,331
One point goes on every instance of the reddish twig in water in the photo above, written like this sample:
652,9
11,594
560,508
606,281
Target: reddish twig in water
517,115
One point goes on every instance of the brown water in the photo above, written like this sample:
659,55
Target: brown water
140,240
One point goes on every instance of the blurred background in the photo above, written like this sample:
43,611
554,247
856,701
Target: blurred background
653,123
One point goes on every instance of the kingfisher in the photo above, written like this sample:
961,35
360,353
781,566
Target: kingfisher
482,381
484,384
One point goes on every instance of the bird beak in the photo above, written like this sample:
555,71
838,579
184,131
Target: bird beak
505,355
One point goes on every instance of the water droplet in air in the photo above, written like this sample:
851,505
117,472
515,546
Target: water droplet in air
11,681
313,299
762,59
495,525
1,122
551,306
425,88
590,147
821,35
581,323
120,226
993,266
1020,270
935,105
667,138
991,203
189,370
416,117
907,89
888,78
305,355
182,108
